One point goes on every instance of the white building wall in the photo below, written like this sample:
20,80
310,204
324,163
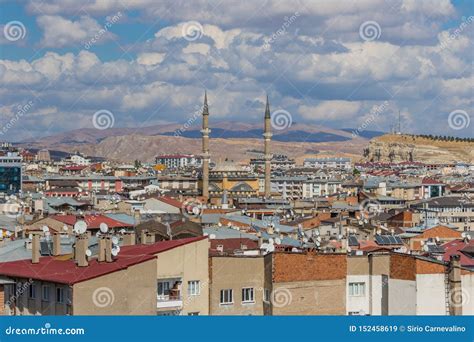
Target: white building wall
363,304
430,294
467,286
402,297
358,304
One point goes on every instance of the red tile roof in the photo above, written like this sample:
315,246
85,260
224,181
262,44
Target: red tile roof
430,181
158,247
171,201
456,247
66,271
93,221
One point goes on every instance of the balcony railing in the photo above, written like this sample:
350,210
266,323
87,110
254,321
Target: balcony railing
169,301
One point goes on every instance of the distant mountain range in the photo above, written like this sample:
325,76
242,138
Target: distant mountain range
237,138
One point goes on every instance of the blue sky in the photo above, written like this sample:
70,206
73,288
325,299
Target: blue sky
332,63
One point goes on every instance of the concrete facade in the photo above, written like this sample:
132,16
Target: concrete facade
187,263
237,273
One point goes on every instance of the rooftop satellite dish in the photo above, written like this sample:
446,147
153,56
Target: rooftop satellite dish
104,228
122,231
278,241
115,240
212,236
437,239
318,243
30,236
270,248
422,243
115,251
318,239
219,224
463,235
349,249
88,253
65,228
45,229
80,227
271,241
426,248
360,222
317,232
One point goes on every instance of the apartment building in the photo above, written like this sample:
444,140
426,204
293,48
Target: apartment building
182,273
52,286
367,284
176,161
328,163
308,284
240,285
10,173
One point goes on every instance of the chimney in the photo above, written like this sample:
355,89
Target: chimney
129,239
35,248
136,215
80,249
108,249
143,237
56,244
101,250
455,291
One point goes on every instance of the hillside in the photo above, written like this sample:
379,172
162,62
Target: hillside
397,148
232,140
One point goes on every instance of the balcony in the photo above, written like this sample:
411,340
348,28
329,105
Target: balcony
167,302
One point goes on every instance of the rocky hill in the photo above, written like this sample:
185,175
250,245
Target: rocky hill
397,148
231,140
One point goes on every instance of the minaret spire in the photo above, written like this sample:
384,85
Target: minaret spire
268,157
205,149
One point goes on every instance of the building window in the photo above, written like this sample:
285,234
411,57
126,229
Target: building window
194,288
227,297
45,294
248,295
32,291
356,289
163,288
59,295
266,295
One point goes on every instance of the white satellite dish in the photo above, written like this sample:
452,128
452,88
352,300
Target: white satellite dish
45,229
278,241
271,241
212,236
115,240
422,243
463,235
360,222
437,239
318,243
426,248
65,228
104,228
88,253
270,248
318,239
30,236
317,232
115,251
219,224
349,249
80,227
122,231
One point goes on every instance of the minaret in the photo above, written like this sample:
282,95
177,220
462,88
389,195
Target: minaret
268,157
205,149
